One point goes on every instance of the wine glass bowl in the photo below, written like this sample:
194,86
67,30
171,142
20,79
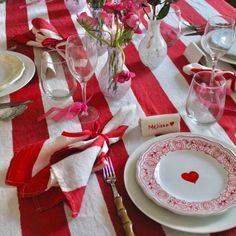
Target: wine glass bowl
218,37
81,57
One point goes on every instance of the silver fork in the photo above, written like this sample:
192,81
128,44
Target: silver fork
110,177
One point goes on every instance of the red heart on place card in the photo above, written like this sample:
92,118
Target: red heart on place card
172,123
191,176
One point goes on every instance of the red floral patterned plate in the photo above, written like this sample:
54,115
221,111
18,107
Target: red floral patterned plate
189,175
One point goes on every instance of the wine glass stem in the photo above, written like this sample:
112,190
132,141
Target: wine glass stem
83,87
214,63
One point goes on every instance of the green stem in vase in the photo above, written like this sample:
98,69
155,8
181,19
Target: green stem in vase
154,12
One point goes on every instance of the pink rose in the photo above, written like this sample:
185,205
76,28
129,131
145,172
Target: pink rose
131,20
123,76
85,19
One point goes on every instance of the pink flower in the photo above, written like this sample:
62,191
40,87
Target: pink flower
131,20
123,76
133,6
113,7
85,19
107,18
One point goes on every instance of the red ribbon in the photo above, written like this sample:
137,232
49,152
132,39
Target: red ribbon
68,112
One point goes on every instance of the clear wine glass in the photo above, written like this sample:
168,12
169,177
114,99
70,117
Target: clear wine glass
218,37
81,57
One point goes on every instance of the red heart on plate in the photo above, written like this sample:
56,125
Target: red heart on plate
191,176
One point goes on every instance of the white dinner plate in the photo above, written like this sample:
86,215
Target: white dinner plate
11,69
27,75
226,58
192,224
178,173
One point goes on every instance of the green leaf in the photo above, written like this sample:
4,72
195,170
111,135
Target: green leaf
163,12
154,2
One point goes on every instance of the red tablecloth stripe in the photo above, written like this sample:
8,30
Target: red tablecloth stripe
67,28
223,8
24,129
192,17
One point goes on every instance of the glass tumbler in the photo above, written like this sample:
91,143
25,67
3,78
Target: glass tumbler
56,80
206,98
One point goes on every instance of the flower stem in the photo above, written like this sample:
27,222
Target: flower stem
154,12
117,30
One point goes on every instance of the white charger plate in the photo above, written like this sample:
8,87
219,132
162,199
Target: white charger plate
27,75
189,175
11,69
192,224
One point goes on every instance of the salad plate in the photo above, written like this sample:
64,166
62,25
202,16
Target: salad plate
22,80
186,223
189,175
11,69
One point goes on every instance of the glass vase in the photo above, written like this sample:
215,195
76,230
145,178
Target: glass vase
96,14
152,48
109,86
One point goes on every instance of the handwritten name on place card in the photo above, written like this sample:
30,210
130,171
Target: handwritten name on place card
160,124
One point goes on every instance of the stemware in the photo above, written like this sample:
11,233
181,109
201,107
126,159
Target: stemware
218,37
81,57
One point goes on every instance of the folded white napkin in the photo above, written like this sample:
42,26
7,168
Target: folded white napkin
230,76
47,65
58,169
43,34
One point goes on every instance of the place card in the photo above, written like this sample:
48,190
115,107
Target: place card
160,124
193,53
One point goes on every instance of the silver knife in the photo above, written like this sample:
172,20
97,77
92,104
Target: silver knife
14,104
195,33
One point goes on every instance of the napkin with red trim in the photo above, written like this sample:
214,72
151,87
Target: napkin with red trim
59,168
43,34
230,76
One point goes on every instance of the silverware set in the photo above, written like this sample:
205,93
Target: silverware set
110,177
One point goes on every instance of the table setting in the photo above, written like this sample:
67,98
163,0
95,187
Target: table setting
117,117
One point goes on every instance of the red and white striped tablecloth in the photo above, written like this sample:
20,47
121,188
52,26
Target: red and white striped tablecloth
160,91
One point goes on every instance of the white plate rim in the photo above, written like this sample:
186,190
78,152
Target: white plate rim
178,210
24,79
14,76
224,59
191,224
